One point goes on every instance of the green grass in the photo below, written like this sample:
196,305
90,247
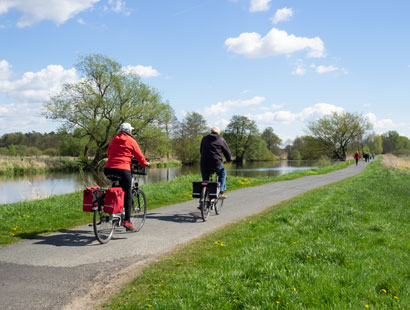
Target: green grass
37,165
28,219
344,246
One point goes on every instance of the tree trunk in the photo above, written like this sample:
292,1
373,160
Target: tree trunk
96,164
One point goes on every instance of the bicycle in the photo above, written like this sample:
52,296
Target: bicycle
105,223
209,197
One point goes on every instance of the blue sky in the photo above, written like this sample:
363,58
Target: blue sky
280,63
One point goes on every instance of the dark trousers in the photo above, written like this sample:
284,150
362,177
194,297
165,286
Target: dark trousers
357,161
125,183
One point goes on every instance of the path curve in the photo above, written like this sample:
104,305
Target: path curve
71,270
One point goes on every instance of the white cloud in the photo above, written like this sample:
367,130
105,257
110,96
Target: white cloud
24,117
277,106
282,15
245,91
286,117
300,68
326,69
381,124
118,6
5,72
225,106
38,86
276,42
34,11
142,71
259,5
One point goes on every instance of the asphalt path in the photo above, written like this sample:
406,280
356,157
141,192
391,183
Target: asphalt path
71,270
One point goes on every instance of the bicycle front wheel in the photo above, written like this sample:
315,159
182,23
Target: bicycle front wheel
103,226
204,204
138,209
218,205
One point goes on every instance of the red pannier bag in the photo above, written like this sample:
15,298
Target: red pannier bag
88,198
114,200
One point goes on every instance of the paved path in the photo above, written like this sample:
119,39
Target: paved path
71,270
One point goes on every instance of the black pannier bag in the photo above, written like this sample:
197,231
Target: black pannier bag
213,189
196,189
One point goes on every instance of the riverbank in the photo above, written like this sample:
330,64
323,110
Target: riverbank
28,219
37,165
341,246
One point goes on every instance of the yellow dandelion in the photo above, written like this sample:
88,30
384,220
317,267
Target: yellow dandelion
294,289
216,242
307,256
234,301
149,306
383,290
366,306
395,297
148,299
277,302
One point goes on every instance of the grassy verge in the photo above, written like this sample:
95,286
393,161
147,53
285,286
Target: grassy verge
28,219
36,165
344,246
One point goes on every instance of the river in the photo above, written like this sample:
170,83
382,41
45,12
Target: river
14,189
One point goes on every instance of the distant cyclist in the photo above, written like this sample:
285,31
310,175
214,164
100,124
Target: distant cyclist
213,146
120,150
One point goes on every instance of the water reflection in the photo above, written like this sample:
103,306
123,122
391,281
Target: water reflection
13,189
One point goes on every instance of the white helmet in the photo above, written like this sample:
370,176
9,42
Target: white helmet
126,127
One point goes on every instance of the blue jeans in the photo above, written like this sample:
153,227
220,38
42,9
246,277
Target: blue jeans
219,171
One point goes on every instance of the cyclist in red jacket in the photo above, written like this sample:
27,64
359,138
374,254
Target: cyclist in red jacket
120,150
356,157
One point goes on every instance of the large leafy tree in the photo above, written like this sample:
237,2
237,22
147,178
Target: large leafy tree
104,98
188,136
241,134
338,131
272,140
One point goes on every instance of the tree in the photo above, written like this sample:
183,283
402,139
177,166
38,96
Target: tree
104,98
272,141
240,134
338,131
375,143
392,142
308,148
188,136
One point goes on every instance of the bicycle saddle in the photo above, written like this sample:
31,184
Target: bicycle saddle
113,177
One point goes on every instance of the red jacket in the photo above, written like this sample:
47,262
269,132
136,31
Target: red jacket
120,150
357,155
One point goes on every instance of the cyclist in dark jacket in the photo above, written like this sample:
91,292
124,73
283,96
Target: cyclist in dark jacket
212,148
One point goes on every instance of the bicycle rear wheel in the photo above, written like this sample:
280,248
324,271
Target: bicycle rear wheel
218,205
204,204
103,226
138,209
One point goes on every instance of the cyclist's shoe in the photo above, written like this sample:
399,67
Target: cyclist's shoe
128,226
222,196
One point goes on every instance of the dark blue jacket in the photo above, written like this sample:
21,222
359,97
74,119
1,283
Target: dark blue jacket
212,148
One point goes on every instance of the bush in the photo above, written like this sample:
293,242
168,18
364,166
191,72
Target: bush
51,152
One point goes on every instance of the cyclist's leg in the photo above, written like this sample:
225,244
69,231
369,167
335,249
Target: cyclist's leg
126,182
205,174
222,177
